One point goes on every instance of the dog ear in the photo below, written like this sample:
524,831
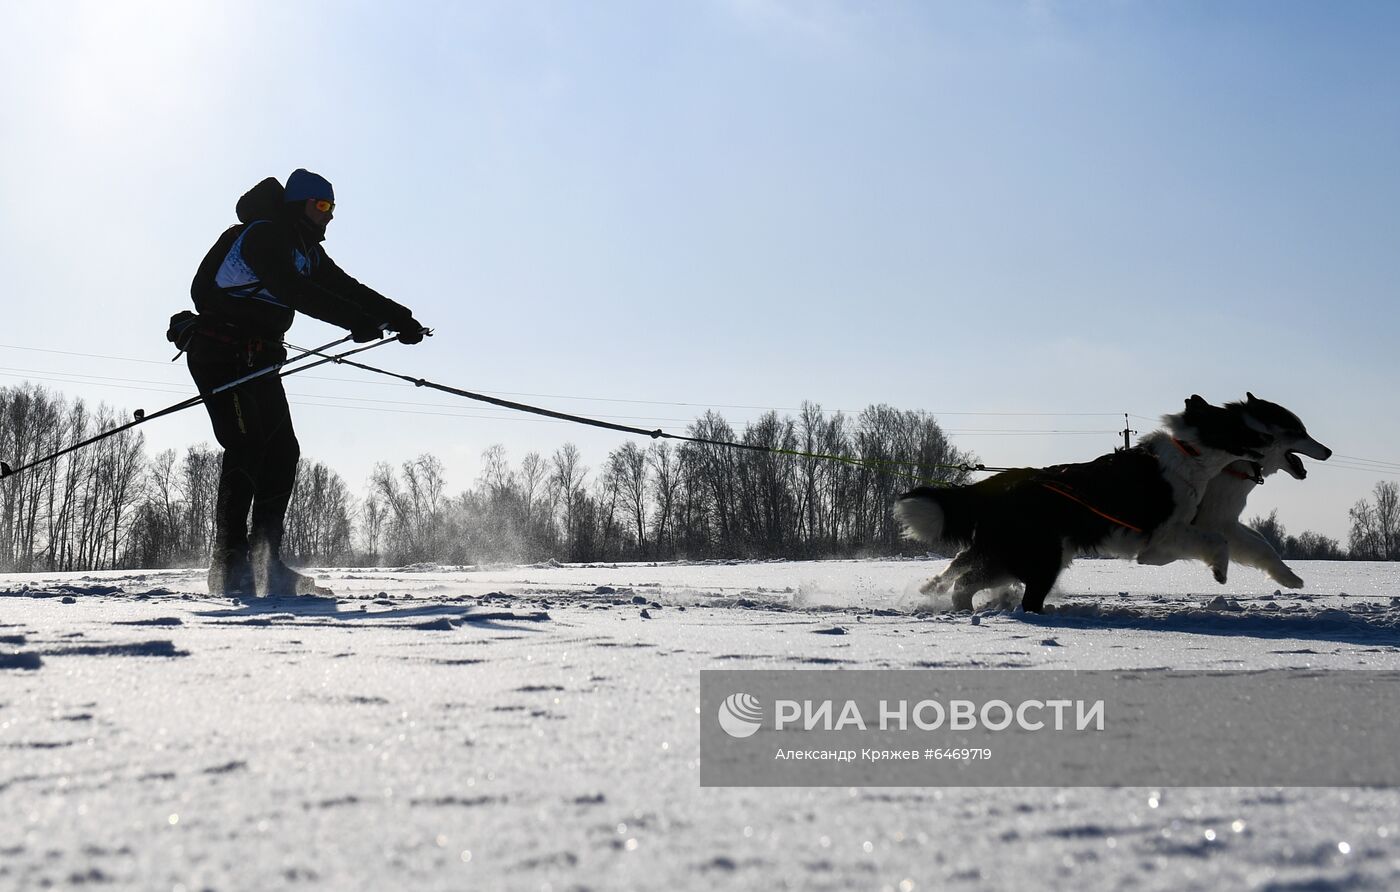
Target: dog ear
1196,400
1249,397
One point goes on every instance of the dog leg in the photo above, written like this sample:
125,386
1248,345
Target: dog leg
1168,545
1253,550
1039,580
1178,541
961,563
1218,548
1158,555
1033,601
968,586
938,584
972,582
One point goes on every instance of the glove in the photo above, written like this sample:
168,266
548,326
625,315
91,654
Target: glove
364,333
410,331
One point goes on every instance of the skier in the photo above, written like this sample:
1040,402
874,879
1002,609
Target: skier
259,273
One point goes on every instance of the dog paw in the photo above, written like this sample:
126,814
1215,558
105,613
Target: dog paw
1151,558
1288,579
1219,573
938,585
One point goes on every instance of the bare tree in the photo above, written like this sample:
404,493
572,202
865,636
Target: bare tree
413,531
1375,528
1310,546
627,476
124,461
494,517
539,532
30,427
372,521
1271,529
199,490
319,516
497,479
715,468
665,486
566,488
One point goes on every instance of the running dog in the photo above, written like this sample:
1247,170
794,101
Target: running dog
1028,524
1224,500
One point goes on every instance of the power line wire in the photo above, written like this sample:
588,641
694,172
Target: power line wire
300,399
1390,465
1347,462
597,399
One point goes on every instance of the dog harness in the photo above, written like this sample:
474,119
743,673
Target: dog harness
1059,491
1187,448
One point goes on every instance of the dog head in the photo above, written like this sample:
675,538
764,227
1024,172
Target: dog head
1288,438
1217,428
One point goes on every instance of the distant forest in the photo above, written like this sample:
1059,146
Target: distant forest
111,506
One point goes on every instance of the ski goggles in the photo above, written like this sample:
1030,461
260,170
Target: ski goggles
324,206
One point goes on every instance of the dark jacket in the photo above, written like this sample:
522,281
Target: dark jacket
261,272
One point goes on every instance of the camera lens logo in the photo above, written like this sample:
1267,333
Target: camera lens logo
740,715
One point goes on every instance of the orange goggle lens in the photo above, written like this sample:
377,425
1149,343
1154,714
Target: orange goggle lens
324,206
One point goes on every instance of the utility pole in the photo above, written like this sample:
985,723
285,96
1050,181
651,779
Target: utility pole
1126,434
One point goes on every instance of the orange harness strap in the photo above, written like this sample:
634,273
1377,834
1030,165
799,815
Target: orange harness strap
1187,448
1074,498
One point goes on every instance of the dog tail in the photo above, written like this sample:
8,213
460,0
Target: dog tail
922,514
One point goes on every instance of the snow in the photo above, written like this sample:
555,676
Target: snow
527,727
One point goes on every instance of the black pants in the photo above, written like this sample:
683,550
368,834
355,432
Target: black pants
253,424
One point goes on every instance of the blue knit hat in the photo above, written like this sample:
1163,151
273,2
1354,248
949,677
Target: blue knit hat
304,184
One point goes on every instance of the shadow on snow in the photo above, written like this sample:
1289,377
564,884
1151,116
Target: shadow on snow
1327,624
434,616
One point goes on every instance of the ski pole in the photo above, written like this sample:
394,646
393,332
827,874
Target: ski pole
276,366
141,416
316,351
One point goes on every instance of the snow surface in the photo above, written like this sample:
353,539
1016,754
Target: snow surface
528,727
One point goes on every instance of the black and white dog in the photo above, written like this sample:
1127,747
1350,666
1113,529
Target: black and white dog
1027,524
1224,499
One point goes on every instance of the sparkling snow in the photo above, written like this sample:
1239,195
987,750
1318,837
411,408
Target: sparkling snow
529,727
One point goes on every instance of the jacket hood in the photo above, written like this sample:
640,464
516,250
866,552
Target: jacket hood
262,202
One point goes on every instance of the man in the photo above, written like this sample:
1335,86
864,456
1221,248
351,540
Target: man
248,289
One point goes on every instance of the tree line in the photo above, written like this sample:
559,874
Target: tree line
110,506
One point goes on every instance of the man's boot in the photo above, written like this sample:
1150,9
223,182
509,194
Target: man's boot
230,572
274,578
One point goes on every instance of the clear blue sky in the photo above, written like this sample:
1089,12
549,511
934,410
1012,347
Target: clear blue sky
960,207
